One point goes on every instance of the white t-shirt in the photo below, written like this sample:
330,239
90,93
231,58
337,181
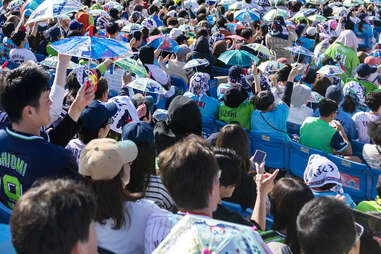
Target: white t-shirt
372,156
129,238
362,120
75,146
158,74
22,55
299,114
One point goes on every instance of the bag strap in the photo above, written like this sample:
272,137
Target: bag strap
264,119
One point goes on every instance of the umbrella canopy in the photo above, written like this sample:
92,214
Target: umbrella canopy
246,16
53,9
375,53
131,65
195,63
317,2
330,70
90,47
196,234
52,61
304,13
29,6
300,50
351,3
163,42
317,18
261,49
270,15
132,27
15,5
147,85
339,11
226,2
238,57
99,13
112,4
271,66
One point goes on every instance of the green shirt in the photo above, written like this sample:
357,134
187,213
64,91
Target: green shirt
368,206
346,55
241,114
317,134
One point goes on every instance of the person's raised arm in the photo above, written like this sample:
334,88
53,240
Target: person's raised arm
265,184
290,83
257,85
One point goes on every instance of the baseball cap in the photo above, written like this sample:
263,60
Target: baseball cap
364,70
96,114
54,33
75,25
334,92
140,133
103,159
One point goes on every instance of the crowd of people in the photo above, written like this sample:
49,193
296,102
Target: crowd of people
91,164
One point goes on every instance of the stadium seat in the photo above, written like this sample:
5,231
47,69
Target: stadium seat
299,156
269,218
354,177
276,149
357,148
293,128
232,206
5,240
5,213
213,84
373,173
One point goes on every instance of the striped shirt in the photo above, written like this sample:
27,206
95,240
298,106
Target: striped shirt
361,120
157,192
272,236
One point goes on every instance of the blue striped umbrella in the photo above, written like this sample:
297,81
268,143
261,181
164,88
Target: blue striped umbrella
246,16
376,53
163,42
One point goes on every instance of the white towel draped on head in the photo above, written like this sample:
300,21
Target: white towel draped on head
349,39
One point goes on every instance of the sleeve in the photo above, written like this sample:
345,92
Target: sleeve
287,93
63,132
57,95
338,143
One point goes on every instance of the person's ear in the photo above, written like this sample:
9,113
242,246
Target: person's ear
28,112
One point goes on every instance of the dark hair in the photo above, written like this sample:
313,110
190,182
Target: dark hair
219,47
23,87
114,13
137,35
112,28
52,217
374,131
321,84
183,14
233,136
327,107
72,85
221,22
230,16
187,164
229,164
8,28
146,55
202,32
102,87
247,33
172,21
287,198
153,9
18,37
325,225
200,17
284,73
373,100
154,31
263,100
110,196
349,105
86,135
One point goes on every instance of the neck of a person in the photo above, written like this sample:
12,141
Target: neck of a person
27,128
21,45
326,119
206,211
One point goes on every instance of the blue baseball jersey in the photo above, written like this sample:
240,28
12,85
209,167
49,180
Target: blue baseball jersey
26,158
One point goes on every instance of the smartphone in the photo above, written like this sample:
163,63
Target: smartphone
259,157
370,222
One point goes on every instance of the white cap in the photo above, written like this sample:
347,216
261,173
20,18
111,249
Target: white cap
175,32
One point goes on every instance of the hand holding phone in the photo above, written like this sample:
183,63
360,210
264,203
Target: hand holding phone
258,158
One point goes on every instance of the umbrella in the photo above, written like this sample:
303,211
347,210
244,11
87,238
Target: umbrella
339,11
317,18
90,47
195,63
246,16
52,61
100,13
147,85
271,66
261,49
316,2
112,4
351,3
163,42
372,1
300,50
15,5
30,6
238,57
132,27
330,70
276,2
304,13
196,234
131,65
53,9
235,37
270,15
226,2
375,53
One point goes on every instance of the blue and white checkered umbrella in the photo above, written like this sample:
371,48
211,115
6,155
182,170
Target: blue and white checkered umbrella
299,50
246,16
195,63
